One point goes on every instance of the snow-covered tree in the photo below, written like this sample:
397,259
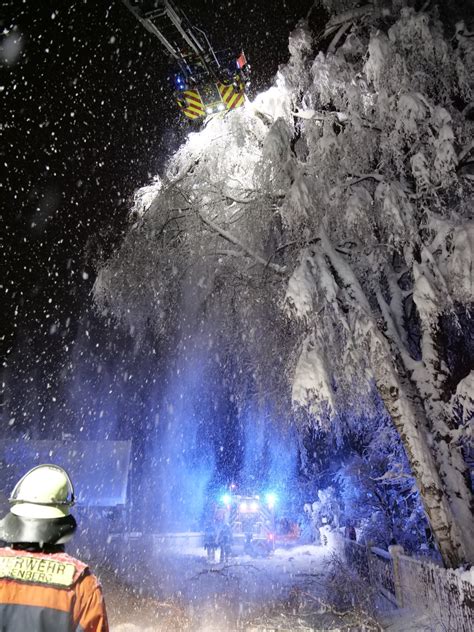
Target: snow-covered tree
365,466
323,238
377,489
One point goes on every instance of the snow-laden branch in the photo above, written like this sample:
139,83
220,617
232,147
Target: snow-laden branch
367,176
336,39
223,253
346,274
466,161
393,476
320,115
351,14
393,333
466,150
314,6
233,240
227,196
346,17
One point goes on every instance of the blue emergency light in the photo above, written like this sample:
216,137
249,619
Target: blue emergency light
226,499
270,499
179,82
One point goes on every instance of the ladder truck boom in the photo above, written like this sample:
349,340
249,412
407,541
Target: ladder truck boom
204,84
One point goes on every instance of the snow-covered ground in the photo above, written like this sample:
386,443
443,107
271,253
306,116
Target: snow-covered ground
181,591
154,589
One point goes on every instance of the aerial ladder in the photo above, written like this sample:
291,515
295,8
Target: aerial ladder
204,82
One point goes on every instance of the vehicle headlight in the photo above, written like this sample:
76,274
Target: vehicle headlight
208,110
221,107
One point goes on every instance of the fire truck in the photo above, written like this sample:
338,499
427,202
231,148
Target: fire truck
252,521
205,82
257,525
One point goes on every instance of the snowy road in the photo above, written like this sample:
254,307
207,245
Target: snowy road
157,593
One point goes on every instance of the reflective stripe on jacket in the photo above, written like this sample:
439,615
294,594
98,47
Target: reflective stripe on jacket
42,592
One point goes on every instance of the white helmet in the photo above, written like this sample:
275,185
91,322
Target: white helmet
45,492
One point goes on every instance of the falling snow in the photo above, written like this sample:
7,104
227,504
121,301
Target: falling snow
278,301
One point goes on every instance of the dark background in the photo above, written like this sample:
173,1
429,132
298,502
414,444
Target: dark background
88,117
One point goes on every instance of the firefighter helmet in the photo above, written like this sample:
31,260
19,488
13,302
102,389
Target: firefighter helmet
39,512
45,492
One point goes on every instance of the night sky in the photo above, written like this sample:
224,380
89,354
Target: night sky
88,117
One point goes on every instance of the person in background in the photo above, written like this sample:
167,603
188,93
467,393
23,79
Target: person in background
210,541
42,589
350,532
224,541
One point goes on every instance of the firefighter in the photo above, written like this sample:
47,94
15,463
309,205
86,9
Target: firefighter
41,587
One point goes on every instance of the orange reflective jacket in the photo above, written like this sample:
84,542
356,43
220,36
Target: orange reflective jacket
41,592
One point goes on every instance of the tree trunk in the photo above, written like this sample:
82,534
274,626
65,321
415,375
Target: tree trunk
444,492
451,466
404,406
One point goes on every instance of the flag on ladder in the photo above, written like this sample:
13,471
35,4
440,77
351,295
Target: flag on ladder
242,60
